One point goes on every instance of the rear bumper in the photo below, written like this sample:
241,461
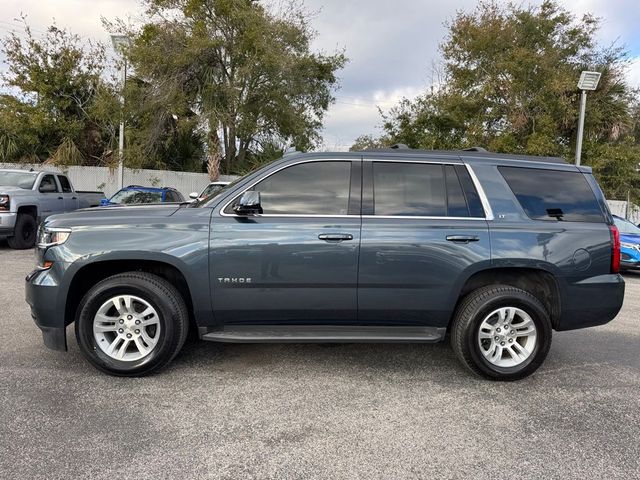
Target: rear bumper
591,302
41,292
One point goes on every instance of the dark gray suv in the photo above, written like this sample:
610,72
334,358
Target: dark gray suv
377,246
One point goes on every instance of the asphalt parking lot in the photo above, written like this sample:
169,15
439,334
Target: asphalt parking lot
317,411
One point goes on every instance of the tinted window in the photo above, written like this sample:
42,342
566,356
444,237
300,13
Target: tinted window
414,189
470,192
48,184
553,194
64,183
456,202
171,196
318,188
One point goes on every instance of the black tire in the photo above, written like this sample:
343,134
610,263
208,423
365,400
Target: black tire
469,316
161,295
24,233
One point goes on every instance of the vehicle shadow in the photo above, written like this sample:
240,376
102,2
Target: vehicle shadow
574,356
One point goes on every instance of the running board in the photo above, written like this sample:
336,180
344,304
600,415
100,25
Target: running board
324,334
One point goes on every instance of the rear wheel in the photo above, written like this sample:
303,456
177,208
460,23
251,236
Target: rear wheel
131,324
501,332
24,233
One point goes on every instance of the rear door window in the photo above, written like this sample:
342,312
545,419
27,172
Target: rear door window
409,189
553,194
64,183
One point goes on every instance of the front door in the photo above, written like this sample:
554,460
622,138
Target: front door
297,262
423,228
50,199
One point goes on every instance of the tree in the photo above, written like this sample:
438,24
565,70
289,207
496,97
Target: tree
248,73
62,107
509,84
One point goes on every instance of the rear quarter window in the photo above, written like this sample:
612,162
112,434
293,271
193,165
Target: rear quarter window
553,194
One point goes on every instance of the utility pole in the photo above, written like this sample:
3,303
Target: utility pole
119,43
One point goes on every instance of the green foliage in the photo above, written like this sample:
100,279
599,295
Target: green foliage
246,72
58,112
509,84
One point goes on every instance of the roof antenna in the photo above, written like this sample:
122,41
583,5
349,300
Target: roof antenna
399,146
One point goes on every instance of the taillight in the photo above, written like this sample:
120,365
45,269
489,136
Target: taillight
615,252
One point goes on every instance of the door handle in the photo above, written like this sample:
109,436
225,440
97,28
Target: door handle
74,198
335,237
462,238
60,198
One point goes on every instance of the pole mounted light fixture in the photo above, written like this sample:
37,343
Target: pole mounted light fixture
588,82
120,43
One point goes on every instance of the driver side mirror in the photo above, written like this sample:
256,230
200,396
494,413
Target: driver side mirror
249,204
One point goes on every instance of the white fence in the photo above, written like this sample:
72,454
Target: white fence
619,207
106,180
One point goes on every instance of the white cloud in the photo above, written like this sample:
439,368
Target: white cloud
391,45
633,72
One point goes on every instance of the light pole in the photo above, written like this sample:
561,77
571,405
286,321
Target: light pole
588,81
120,42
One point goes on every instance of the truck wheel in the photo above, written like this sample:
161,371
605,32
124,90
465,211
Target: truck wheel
131,324
501,332
24,233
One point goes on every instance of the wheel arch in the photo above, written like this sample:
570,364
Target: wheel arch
537,281
91,273
29,210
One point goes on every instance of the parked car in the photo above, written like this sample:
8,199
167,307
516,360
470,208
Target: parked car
29,197
135,194
629,243
376,246
208,191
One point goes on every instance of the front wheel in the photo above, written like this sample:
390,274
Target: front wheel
24,233
131,324
501,332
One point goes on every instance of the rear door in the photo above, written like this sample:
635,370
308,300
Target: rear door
70,198
423,229
297,262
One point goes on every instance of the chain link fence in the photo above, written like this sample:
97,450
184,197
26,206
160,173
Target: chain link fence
106,180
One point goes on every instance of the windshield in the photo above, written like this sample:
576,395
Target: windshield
222,189
626,227
212,189
128,197
18,179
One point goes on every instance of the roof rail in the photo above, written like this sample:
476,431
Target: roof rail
474,149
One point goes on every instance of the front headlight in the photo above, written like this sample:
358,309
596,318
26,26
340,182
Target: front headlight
4,203
49,237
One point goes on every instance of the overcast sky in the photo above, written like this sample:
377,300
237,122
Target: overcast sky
391,44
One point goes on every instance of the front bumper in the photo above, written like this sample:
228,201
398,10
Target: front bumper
591,302
42,291
7,223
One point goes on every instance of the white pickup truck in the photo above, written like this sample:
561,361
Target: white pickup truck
28,197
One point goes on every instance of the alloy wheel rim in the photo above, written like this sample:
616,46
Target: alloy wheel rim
507,337
126,328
